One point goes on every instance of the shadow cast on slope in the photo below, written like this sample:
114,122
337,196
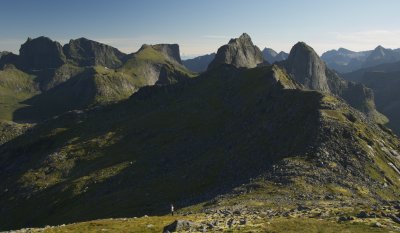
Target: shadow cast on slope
183,144
77,92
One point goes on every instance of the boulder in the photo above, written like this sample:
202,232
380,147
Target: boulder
182,225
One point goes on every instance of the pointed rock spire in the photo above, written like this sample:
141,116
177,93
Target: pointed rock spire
240,52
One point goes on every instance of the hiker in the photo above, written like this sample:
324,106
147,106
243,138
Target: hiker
172,210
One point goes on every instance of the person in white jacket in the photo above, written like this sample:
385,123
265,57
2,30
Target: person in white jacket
172,210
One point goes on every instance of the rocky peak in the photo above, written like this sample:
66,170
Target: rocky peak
269,55
244,38
8,58
41,53
239,52
345,51
379,51
380,55
87,52
170,50
307,68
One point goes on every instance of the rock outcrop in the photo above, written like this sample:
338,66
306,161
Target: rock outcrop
239,52
86,52
171,51
182,225
307,68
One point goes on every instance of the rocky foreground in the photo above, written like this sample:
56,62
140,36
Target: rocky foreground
333,217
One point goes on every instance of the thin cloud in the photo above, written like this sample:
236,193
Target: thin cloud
216,37
369,39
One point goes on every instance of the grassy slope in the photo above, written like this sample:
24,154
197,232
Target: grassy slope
15,87
140,64
156,224
175,144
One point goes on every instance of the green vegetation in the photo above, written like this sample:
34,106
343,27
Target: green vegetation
251,139
157,223
15,87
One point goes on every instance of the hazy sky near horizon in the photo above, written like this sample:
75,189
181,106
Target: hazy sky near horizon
201,26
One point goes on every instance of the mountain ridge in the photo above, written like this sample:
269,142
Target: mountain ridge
244,138
83,73
345,61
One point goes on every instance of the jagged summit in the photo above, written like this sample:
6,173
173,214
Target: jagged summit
41,53
239,52
244,38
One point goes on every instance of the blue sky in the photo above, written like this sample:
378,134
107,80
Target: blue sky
201,26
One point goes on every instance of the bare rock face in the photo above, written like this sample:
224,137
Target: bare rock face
86,52
41,53
240,52
307,68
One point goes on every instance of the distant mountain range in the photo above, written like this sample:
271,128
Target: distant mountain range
271,56
118,135
199,64
344,60
384,79
341,60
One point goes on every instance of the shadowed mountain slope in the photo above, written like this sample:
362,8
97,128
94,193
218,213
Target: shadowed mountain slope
190,142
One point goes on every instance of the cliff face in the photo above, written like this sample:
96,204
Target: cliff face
171,51
239,52
307,68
